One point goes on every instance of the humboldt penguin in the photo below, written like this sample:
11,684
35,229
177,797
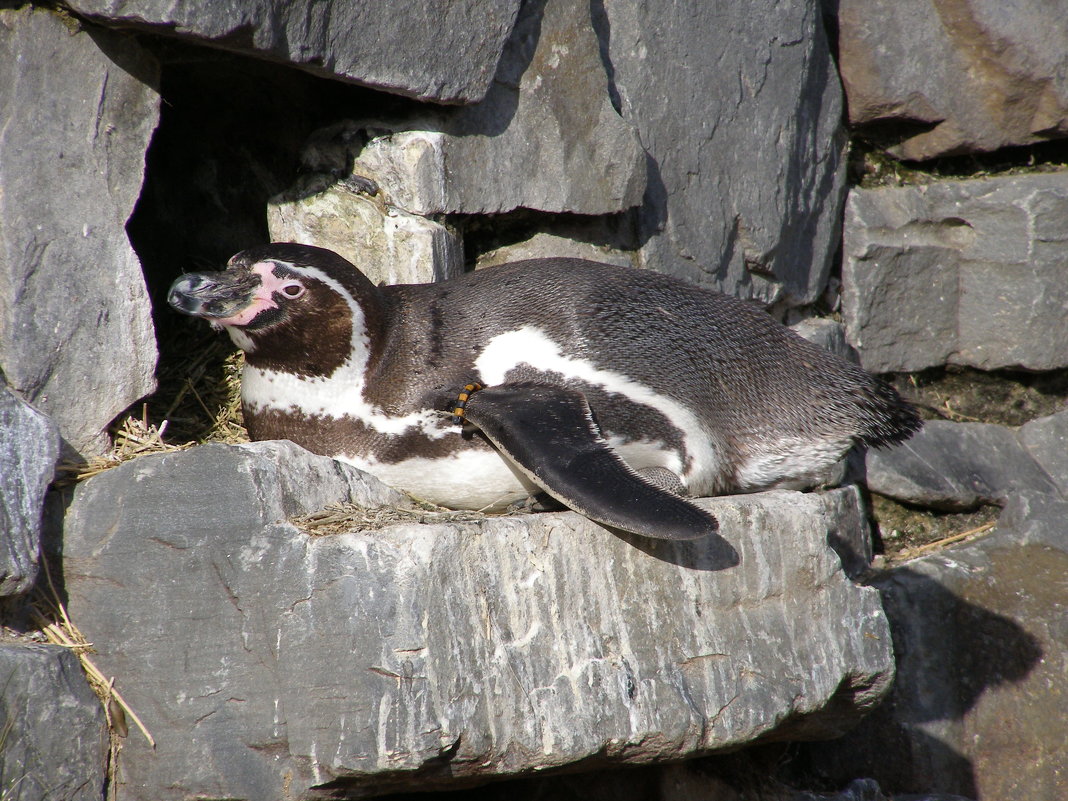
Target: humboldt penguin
616,391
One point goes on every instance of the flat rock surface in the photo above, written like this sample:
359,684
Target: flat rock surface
977,707
958,272
739,107
963,77
29,448
434,51
951,466
55,734
76,336
415,655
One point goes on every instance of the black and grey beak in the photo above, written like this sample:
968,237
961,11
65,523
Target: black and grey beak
213,295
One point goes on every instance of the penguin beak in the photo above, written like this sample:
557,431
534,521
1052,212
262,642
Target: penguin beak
215,296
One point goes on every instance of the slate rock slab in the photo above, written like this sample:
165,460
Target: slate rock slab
738,106
267,661
446,52
546,136
55,732
76,336
29,448
979,629
958,272
388,245
963,77
956,466
1046,439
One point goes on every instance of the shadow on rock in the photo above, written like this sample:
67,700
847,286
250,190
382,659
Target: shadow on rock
707,553
950,652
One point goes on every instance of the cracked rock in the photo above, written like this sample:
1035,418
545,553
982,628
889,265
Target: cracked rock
446,52
76,337
958,272
264,659
29,448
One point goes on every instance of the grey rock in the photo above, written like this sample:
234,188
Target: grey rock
544,245
1046,439
969,78
958,272
738,106
29,448
979,632
546,137
956,466
389,245
418,655
446,52
55,732
76,336
828,334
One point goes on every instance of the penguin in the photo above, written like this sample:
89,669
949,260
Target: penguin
618,392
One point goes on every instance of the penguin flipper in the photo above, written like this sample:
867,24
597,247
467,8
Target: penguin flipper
551,436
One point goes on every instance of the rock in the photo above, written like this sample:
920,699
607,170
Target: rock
546,137
955,466
419,655
828,334
1046,439
979,632
958,272
55,733
943,80
738,106
447,52
76,336
544,245
29,448
388,244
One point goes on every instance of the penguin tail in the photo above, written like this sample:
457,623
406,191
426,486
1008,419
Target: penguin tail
888,419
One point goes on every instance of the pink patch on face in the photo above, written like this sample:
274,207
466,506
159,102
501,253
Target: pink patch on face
262,299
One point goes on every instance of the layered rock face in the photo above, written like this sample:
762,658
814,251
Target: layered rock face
527,656
422,654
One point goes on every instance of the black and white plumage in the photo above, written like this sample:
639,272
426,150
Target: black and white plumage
594,375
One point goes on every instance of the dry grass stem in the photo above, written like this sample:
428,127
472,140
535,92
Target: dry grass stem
939,544
338,518
50,615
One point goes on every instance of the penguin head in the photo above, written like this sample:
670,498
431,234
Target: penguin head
296,308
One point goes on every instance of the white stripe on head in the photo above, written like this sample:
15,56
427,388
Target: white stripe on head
341,394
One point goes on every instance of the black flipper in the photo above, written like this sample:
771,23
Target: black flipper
549,433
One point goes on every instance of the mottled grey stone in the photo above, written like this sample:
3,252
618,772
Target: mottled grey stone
956,466
738,106
828,334
1046,439
541,246
418,655
966,77
546,137
76,336
958,272
979,629
29,448
435,51
389,245
55,738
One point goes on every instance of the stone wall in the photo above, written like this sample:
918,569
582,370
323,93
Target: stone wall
408,653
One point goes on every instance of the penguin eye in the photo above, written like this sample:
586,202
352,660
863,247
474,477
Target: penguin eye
293,289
